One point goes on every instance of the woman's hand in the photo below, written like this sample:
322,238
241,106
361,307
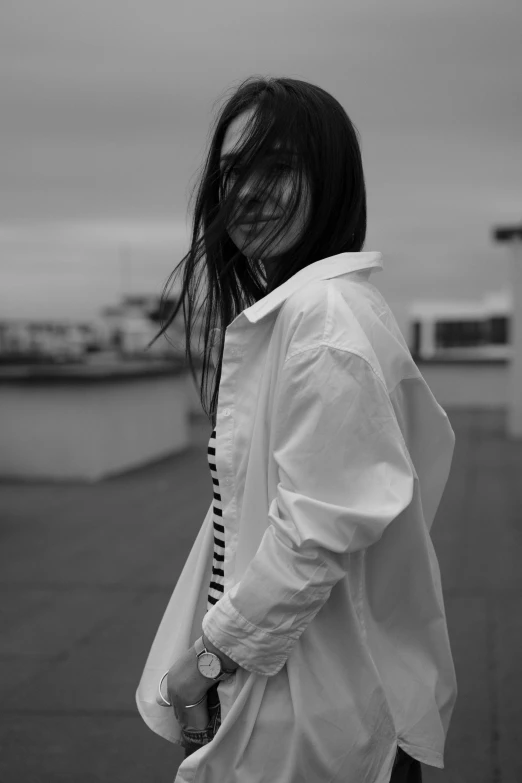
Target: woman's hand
193,718
186,685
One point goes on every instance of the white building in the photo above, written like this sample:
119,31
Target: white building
452,328
133,324
56,340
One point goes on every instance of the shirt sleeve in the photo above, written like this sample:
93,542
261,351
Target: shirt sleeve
344,474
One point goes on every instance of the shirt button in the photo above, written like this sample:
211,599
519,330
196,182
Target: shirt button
226,412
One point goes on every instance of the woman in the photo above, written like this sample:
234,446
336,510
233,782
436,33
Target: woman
306,638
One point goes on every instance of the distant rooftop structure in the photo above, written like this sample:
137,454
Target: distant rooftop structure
507,233
493,303
511,235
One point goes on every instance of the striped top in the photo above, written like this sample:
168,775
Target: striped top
216,589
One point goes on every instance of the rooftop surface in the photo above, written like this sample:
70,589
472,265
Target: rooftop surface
86,572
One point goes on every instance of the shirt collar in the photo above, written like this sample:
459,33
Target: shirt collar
326,268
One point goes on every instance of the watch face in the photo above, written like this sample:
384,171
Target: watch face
209,665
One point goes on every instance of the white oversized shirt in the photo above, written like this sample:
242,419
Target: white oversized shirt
332,455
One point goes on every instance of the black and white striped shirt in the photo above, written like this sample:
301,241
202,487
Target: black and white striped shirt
217,579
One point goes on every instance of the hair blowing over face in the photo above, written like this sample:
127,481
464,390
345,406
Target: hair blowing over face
289,114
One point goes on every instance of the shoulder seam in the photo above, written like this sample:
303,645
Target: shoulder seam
326,344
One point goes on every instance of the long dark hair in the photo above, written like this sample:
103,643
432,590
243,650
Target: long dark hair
288,115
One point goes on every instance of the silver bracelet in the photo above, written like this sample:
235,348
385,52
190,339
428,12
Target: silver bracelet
168,704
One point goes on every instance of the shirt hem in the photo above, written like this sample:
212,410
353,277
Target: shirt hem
431,758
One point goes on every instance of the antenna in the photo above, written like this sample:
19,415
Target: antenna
125,271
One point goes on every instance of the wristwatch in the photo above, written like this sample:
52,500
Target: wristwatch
209,664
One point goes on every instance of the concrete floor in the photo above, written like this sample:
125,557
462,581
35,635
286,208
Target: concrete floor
86,573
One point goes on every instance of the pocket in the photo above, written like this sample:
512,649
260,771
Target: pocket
193,738
213,697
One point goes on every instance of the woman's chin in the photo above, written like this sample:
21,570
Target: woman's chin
252,248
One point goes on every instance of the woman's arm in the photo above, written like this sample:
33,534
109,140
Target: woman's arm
344,475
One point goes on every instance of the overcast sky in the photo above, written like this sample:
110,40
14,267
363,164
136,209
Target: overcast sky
106,107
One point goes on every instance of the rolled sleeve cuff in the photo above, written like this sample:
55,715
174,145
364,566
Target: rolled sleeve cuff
253,649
